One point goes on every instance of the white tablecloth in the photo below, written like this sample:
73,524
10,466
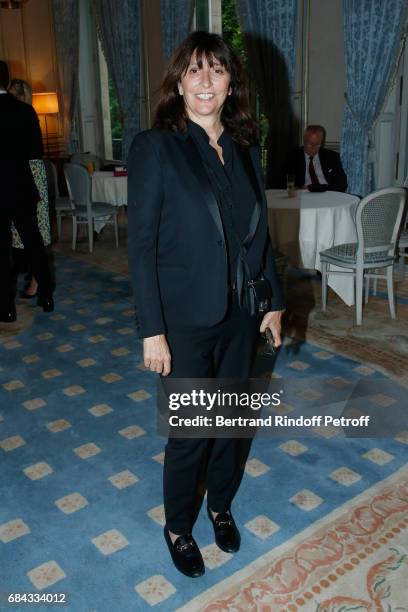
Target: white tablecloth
324,220
110,190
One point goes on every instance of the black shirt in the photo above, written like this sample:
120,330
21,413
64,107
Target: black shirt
233,188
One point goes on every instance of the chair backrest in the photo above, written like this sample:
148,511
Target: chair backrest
79,184
52,194
54,175
378,219
405,221
85,158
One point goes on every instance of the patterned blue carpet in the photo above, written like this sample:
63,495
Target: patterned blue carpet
81,465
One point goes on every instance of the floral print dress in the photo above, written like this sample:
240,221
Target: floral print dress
43,217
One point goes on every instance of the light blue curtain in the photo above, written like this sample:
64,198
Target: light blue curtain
372,39
269,28
271,23
176,20
118,24
66,23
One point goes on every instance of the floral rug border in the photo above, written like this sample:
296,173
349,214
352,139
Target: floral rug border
288,576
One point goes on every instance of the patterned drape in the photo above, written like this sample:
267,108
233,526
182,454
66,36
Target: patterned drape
66,20
372,39
176,20
118,24
269,28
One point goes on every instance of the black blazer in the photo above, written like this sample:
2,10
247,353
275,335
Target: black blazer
331,166
20,141
177,251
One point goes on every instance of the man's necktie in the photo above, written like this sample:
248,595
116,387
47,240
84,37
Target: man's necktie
312,172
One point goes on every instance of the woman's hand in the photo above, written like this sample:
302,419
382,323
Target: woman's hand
156,354
273,320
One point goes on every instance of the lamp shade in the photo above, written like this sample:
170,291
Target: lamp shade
45,103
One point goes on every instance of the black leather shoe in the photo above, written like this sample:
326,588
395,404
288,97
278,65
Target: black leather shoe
47,303
8,315
227,536
185,554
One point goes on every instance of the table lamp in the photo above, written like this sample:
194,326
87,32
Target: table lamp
46,103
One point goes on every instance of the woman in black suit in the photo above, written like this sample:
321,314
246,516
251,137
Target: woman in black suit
195,198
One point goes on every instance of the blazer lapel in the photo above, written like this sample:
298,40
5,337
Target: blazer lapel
196,164
254,170
323,164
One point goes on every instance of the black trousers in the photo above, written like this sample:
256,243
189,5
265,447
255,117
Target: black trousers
193,465
24,218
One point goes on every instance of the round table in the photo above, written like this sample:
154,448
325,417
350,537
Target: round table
308,223
109,189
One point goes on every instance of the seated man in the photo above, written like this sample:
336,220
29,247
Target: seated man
314,165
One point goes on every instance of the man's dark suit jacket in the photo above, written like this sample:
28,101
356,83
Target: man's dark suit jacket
20,141
331,166
177,250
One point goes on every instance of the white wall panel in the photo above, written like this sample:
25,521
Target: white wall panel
326,76
91,122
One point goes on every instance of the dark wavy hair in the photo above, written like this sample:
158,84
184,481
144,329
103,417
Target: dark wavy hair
236,117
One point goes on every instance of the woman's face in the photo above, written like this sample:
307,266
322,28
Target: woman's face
204,89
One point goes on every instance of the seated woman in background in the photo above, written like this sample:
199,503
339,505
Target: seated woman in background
22,91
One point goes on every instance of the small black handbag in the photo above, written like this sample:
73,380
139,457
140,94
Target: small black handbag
258,296
256,293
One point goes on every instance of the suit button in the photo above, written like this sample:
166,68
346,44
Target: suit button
220,243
